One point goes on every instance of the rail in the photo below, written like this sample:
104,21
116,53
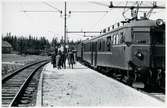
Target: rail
24,85
15,84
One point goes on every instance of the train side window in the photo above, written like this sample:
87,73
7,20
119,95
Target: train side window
86,47
117,39
111,40
90,47
99,45
108,43
103,45
122,38
114,39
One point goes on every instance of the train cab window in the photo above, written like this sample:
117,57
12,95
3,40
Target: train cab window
158,37
141,38
108,43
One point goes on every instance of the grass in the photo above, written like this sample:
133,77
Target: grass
11,62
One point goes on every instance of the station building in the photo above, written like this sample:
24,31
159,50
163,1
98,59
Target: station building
6,47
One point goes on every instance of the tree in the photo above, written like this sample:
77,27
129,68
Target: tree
30,45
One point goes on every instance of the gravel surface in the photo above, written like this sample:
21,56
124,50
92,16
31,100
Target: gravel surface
85,87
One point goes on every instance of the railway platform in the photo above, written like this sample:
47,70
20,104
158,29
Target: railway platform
82,86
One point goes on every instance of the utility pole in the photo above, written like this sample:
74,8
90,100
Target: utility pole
65,25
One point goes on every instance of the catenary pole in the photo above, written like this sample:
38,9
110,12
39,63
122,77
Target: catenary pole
65,25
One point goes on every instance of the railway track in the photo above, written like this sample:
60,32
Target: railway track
18,87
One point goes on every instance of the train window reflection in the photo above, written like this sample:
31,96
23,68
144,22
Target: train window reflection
122,38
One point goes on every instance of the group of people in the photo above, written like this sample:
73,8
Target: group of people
59,59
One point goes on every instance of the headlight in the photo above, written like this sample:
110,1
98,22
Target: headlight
159,22
139,55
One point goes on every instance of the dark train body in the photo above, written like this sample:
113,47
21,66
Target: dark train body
135,51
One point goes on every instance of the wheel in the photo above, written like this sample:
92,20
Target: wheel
148,79
159,79
130,78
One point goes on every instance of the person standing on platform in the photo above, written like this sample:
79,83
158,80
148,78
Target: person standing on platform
74,52
63,58
71,58
53,58
58,60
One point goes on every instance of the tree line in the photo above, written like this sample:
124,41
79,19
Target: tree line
32,44
28,45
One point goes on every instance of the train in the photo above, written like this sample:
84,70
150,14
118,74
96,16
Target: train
133,52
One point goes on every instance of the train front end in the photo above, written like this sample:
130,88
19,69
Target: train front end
157,56
148,53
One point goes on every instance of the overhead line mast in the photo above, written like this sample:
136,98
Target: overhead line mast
135,13
65,25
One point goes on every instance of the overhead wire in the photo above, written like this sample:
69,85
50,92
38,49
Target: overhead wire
99,20
55,5
89,11
98,3
51,6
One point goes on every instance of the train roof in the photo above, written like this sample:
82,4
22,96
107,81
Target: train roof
138,23
141,23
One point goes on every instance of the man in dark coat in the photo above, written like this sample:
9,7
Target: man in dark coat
71,58
63,59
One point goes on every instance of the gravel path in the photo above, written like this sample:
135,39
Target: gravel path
85,87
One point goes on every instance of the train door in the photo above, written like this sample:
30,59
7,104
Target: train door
92,45
94,53
82,51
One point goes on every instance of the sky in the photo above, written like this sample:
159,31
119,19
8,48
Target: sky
51,24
